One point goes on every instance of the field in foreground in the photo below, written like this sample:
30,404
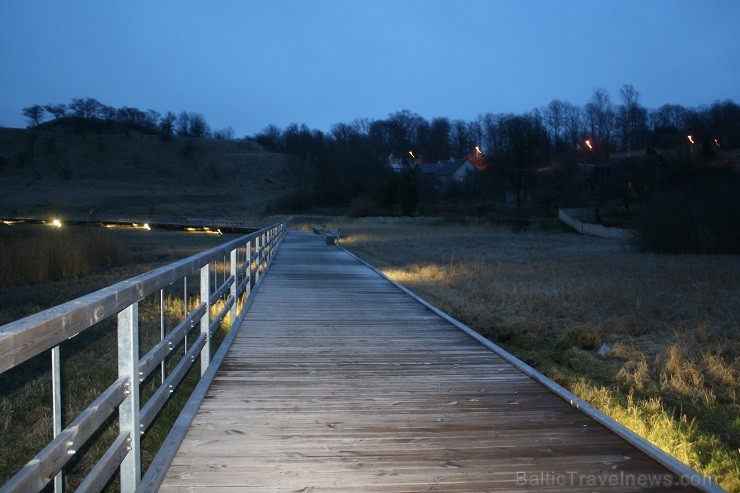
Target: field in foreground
665,326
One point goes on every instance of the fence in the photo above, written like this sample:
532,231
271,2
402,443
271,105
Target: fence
243,259
566,216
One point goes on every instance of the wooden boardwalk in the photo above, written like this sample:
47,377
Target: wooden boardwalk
338,381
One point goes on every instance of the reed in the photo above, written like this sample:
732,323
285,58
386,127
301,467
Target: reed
33,255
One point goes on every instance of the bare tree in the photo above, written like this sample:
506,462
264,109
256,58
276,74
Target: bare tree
226,133
182,125
599,119
521,143
166,125
572,123
85,107
554,118
631,119
34,114
462,140
56,110
271,138
198,126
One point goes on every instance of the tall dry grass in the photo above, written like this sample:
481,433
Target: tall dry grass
671,367
32,254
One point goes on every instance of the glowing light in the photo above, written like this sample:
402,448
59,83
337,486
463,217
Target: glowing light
56,223
477,150
146,227
204,230
691,139
412,154
588,143
10,223
717,142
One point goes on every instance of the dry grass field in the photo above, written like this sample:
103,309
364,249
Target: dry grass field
667,325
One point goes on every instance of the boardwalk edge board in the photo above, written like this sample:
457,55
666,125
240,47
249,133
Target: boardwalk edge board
683,471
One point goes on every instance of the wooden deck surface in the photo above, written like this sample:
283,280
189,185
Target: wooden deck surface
338,381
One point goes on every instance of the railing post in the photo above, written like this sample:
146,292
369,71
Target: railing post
162,365
56,404
234,285
205,321
257,253
248,272
128,411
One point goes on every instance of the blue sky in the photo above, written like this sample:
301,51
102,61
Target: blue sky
247,64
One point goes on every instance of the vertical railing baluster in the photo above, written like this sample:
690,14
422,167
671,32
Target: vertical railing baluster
161,328
248,272
128,411
234,285
205,321
56,404
185,303
256,259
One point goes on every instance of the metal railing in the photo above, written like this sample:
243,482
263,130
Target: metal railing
240,264
154,221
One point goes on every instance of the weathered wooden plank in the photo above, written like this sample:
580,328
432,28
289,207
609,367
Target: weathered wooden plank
338,382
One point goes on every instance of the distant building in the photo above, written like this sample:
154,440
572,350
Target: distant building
447,172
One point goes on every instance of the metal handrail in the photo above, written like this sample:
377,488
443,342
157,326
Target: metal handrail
248,257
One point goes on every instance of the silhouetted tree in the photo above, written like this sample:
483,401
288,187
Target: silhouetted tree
521,143
198,126
724,123
34,114
167,124
270,138
462,140
599,119
226,133
402,128
182,125
632,119
56,110
85,107
439,146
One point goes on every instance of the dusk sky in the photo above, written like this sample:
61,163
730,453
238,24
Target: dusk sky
247,64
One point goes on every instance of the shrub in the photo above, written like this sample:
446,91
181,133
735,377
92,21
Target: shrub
696,217
580,337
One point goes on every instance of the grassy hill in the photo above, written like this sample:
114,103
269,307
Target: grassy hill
73,165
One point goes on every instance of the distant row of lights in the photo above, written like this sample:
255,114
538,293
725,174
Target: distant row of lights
57,223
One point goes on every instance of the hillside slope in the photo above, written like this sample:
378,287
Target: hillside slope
78,166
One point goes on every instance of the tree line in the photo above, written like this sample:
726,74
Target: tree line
333,168
185,124
508,147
